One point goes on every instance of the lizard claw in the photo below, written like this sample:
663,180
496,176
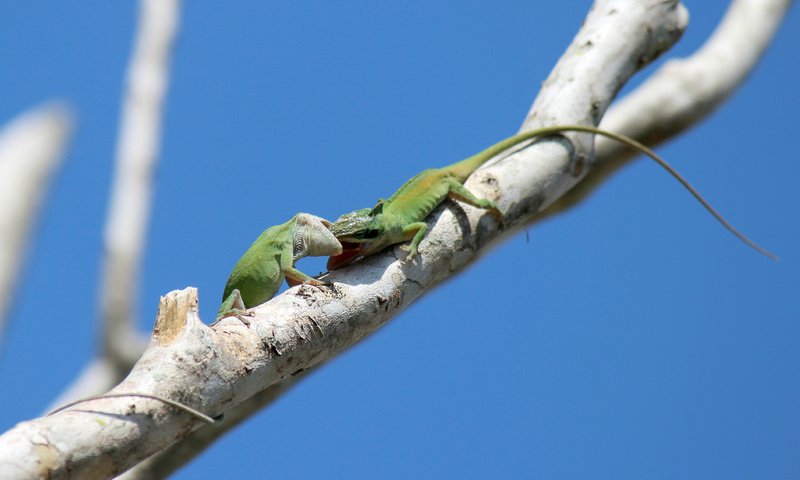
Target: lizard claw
323,283
501,221
241,317
314,282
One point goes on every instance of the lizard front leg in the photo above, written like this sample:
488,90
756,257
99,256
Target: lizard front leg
233,306
296,277
416,231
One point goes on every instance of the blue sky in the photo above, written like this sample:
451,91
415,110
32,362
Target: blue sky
638,339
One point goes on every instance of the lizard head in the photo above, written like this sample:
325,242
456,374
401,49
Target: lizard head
312,237
360,233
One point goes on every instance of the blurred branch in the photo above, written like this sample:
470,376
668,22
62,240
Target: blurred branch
683,91
31,148
98,376
128,216
213,369
131,197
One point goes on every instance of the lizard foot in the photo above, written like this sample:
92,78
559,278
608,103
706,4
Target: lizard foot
240,314
497,215
412,253
310,281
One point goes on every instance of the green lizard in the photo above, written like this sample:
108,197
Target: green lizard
402,217
255,279
257,276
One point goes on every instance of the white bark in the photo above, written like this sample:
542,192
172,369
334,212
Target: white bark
31,148
684,91
213,369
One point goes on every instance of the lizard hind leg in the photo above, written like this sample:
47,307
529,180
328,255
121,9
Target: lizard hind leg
461,193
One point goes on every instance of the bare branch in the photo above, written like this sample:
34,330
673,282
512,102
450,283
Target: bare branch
31,148
137,154
684,91
213,369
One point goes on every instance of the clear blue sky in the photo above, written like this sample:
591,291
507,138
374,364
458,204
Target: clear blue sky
630,338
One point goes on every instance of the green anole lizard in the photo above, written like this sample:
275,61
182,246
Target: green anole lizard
255,279
402,217
257,276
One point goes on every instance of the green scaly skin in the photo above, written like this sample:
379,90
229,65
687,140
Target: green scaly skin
258,275
401,218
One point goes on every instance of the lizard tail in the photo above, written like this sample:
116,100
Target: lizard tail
463,169
467,166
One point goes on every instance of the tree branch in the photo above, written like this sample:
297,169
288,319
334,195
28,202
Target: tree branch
213,369
747,28
683,91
